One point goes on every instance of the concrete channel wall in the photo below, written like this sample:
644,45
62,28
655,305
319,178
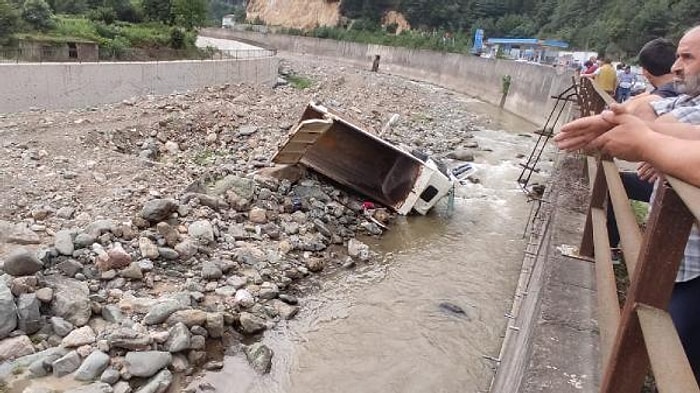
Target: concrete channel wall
530,89
74,85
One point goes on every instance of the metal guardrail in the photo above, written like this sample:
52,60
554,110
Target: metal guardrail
642,333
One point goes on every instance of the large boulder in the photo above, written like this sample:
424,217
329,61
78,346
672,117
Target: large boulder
66,364
158,209
8,311
28,312
158,384
22,262
70,299
17,233
115,259
260,357
63,241
15,347
79,337
96,387
130,339
202,230
161,311
244,188
147,363
251,324
92,366
179,338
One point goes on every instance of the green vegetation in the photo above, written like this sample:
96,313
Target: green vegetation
641,212
460,42
124,29
299,82
616,28
208,157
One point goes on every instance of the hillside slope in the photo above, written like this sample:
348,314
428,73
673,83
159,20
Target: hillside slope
301,14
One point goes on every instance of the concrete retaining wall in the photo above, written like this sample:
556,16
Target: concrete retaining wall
531,86
72,85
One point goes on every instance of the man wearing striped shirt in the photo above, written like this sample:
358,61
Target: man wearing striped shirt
667,137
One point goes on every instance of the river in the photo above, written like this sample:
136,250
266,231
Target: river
381,327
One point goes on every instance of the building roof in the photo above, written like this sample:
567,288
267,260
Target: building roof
527,42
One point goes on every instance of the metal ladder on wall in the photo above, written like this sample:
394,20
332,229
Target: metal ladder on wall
546,133
535,193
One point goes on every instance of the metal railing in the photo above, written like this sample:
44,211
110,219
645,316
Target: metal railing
642,334
46,55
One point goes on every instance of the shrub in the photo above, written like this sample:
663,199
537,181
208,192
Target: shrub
299,82
76,27
365,24
9,18
103,14
177,38
38,14
114,49
105,31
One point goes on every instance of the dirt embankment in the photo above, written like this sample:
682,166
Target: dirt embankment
302,14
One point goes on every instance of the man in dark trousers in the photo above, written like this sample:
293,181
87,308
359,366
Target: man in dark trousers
375,63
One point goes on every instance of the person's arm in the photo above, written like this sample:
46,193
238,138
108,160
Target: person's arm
639,106
580,132
631,139
666,124
669,125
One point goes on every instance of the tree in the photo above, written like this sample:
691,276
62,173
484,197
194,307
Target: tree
68,6
219,8
38,14
124,10
190,13
103,14
158,10
9,18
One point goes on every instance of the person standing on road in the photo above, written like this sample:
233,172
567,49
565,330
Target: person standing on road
606,77
624,84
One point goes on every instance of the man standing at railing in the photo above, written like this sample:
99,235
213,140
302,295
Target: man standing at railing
656,59
666,135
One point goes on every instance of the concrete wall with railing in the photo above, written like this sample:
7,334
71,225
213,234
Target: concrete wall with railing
74,85
530,89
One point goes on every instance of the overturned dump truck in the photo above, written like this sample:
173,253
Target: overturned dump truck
360,160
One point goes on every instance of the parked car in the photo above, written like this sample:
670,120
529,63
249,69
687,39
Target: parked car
640,86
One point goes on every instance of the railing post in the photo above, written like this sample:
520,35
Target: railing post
598,196
662,248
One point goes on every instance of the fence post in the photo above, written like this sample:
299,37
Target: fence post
662,248
598,197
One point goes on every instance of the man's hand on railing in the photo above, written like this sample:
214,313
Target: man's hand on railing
628,139
647,172
579,133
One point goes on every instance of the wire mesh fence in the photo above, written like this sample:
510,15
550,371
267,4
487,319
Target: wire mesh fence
67,54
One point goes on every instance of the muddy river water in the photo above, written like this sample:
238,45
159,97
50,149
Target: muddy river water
381,327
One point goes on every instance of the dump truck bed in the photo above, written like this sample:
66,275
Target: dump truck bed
360,160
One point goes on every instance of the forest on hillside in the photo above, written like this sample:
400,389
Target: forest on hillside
617,28
123,29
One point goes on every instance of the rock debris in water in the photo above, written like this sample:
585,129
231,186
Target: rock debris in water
131,234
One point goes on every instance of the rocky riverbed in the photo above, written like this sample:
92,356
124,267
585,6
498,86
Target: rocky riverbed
138,240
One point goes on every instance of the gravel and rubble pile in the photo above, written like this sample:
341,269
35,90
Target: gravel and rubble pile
134,235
